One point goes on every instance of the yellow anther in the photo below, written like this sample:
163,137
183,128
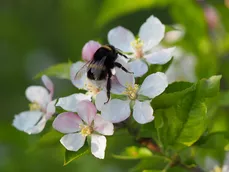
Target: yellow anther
34,106
92,89
217,169
131,91
138,47
85,130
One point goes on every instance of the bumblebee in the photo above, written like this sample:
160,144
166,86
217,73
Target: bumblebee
101,66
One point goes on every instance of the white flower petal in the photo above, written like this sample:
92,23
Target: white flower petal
80,81
51,109
138,67
116,110
98,145
116,87
26,120
73,142
48,84
67,122
100,99
123,77
226,163
38,127
160,57
151,32
142,112
38,94
121,38
102,126
154,85
87,111
69,103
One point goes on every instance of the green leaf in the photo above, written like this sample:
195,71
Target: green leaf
209,87
152,163
49,139
172,95
113,9
61,71
70,155
185,118
134,152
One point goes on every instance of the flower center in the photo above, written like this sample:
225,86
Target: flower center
137,45
92,89
34,106
85,130
131,91
217,169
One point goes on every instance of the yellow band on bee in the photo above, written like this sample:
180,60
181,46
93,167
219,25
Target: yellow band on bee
97,66
107,47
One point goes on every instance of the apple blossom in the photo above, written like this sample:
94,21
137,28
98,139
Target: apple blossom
118,110
41,108
150,34
94,87
78,127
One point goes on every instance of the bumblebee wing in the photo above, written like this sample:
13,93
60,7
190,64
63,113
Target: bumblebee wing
97,67
82,71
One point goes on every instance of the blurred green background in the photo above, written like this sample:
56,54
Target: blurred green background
37,34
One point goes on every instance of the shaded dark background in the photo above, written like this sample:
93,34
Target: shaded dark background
37,34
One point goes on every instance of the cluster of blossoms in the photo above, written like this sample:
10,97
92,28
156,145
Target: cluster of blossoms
80,120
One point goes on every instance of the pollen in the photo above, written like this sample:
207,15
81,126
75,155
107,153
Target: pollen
138,47
217,169
85,130
34,106
92,89
131,91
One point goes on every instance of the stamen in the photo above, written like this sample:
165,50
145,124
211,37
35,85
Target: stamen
85,130
217,169
92,89
131,91
34,106
138,47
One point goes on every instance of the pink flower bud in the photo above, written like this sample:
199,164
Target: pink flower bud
211,16
89,50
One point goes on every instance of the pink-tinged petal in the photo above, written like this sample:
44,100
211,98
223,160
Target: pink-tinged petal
87,111
38,127
102,126
121,38
73,142
27,120
98,145
48,84
116,110
154,85
161,56
38,94
80,80
89,50
69,103
123,77
100,99
51,109
143,112
151,32
67,122
138,67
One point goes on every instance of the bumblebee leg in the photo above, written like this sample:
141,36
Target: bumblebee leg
108,87
121,67
123,55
